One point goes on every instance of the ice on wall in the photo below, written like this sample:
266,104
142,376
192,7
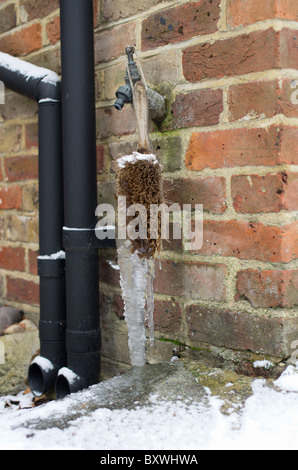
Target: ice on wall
136,279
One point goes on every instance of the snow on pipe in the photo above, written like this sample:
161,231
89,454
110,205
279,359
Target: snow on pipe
44,86
80,198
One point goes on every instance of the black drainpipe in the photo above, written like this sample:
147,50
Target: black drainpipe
44,86
80,197
70,342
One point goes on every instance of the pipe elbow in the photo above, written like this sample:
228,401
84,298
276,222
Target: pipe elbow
48,88
68,382
42,376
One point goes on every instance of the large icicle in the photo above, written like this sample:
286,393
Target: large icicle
150,298
136,279
133,280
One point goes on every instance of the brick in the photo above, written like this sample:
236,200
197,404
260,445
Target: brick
262,99
21,168
2,282
241,147
173,244
21,228
111,43
245,12
288,145
113,77
10,138
100,158
32,258
53,30
12,259
287,9
209,191
287,98
106,193
112,10
31,136
196,109
268,289
252,100
21,290
8,18
10,197
247,53
288,49
164,67
107,273
239,330
167,317
196,280
22,42
180,23
253,193
96,12
118,305
2,227
290,200
112,122
18,106
30,197
49,59
32,9
250,240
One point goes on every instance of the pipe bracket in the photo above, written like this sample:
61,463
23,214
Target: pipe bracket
86,239
51,267
83,341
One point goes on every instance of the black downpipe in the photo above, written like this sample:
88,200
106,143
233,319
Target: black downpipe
80,197
44,86
51,266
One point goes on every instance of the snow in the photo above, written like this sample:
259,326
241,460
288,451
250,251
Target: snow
68,374
43,363
135,157
267,421
27,70
48,100
288,381
114,265
263,364
54,256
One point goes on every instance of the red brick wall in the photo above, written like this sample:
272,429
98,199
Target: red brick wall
229,142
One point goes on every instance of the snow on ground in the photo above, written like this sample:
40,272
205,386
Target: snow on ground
267,421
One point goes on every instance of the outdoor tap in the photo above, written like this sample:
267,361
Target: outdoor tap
124,94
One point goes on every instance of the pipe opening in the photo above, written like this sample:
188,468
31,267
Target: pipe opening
62,387
41,376
36,380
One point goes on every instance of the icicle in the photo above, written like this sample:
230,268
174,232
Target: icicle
133,283
150,299
136,280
